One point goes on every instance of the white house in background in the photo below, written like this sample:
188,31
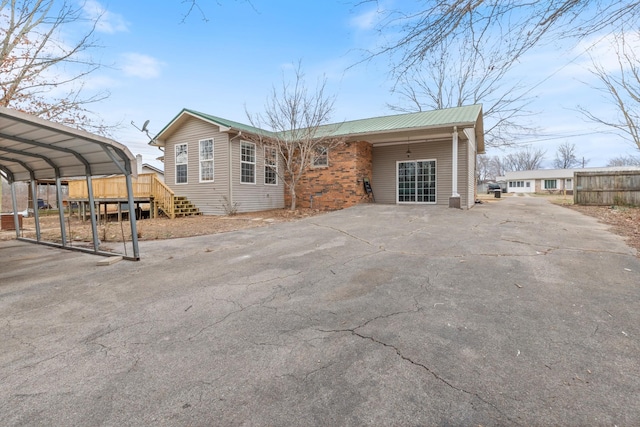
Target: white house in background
550,180
147,168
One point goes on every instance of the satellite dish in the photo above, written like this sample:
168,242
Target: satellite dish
144,126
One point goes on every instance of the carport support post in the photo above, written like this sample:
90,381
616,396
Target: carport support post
92,213
132,218
36,213
63,231
14,201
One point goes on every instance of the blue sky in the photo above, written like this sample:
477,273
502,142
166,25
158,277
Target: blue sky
159,64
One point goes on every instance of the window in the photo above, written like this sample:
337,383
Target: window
568,184
321,157
206,160
516,184
247,162
181,163
270,165
550,184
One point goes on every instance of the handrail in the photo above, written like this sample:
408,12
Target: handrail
163,198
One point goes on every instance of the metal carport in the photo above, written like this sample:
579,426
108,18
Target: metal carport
34,149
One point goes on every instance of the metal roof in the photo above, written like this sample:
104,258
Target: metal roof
34,148
459,116
465,116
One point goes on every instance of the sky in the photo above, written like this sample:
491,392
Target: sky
159,62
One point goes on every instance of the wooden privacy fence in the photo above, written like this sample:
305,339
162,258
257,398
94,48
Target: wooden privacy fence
607,188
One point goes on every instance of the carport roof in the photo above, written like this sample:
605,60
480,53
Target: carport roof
33,146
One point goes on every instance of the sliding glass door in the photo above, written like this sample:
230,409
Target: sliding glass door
416,181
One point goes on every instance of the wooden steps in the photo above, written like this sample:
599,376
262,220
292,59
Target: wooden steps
183,207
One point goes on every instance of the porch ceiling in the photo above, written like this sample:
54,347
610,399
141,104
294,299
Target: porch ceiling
33,148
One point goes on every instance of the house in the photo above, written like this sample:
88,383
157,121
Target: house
550,180
416,158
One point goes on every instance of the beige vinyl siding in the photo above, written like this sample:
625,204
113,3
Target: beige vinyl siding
384,168
258,196
207,196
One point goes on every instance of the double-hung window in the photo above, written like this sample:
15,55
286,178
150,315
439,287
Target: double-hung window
181,163
247,162
270,165
206,160
321,157
550,184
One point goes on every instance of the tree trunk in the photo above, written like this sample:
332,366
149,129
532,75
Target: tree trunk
292,191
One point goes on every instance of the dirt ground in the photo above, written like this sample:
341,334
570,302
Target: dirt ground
157,228
624,221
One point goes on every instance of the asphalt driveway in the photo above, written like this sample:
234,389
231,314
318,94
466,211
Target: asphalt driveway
513,313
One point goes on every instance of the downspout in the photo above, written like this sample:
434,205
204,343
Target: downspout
231,168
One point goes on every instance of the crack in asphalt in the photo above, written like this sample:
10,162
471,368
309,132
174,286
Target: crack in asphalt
343,232
354,332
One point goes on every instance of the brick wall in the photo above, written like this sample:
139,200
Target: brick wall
339,185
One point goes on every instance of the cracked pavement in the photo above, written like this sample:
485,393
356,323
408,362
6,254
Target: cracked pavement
516,312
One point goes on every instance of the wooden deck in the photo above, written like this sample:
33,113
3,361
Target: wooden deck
147,188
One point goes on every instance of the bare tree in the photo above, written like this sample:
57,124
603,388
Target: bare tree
454,52
470,70
566,157
482,167
620,89
195,6
627,160
295,119
524,160
496,168
520,24
40,73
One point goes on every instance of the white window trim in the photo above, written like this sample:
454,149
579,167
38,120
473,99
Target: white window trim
213,171
544,183
274,166
175,152
255,154
313,158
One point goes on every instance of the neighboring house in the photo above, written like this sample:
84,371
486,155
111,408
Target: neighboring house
550,180
143,168
147,168
417,158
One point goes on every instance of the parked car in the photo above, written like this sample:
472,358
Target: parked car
492,186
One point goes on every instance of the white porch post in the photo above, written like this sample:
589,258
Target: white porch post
454,166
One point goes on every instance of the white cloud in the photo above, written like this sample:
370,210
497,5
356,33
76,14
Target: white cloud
367,20
107,22
604,49
139,65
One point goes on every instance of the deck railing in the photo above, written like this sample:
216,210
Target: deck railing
163,198
113,187
145,186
